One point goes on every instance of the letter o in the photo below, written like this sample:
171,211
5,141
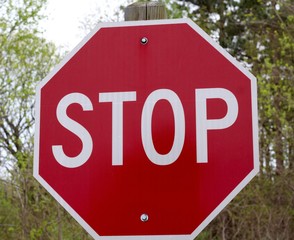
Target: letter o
146,128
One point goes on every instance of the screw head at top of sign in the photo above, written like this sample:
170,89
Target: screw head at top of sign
144,40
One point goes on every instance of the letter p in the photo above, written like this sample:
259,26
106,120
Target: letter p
203,124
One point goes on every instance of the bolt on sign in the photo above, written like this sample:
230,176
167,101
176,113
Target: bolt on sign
146,130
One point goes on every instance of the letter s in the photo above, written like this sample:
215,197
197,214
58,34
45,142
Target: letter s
75,128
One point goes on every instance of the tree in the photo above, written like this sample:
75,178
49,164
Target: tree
26,210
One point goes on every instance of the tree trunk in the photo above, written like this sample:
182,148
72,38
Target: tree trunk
145,11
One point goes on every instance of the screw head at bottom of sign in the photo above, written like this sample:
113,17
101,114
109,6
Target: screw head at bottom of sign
144,217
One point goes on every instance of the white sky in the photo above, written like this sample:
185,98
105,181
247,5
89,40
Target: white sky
65,17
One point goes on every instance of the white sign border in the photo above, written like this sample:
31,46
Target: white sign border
223,204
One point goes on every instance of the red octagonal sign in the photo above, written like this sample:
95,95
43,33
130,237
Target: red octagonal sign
146,130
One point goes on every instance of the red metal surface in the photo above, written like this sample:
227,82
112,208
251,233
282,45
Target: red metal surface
176,197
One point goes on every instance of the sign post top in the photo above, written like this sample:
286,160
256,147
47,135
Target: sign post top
145,11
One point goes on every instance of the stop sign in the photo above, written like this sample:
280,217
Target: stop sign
146,130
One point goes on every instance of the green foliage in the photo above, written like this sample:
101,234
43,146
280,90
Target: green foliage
25,59
8,225
26,210
263,210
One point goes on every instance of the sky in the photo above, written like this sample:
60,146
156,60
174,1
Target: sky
65,18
